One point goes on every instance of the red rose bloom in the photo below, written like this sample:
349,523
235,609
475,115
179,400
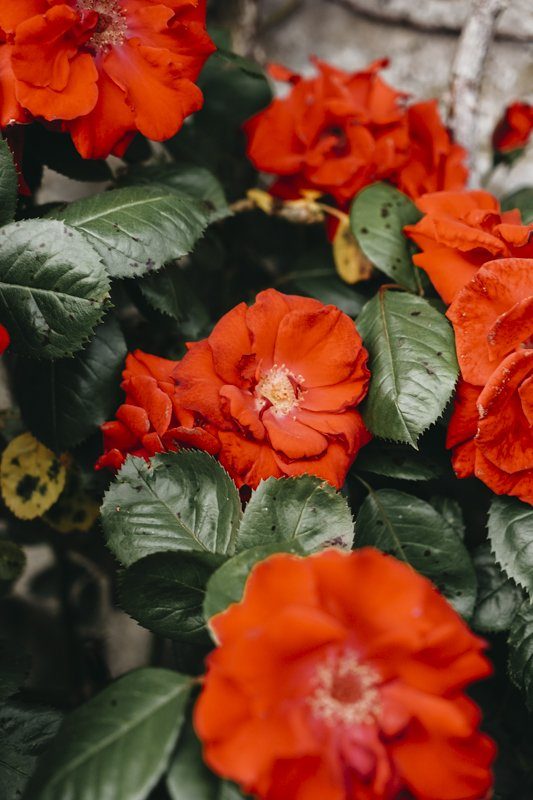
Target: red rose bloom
341,676
280,381
491,430
514,129
151,420
5,339
433,162
106,68
340,131
461,231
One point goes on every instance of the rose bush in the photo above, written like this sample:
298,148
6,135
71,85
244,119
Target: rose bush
298,455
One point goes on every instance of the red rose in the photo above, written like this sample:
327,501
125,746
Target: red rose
514,129
340,131
151,420
280,382
5,339
491,430
105,68
459,232
342,676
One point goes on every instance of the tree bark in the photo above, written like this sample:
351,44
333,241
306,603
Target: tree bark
243,19
467,74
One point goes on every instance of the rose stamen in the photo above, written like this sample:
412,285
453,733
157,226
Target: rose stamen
280,388
345,692
111,27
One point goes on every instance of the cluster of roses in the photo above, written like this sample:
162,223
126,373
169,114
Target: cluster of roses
102,69
273,391
480,260
339,131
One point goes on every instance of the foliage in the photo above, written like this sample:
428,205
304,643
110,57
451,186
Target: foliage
413,365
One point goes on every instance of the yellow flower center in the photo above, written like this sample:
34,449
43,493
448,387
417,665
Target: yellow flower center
345,692
279,387
111,26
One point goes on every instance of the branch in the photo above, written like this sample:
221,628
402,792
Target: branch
243,18
437,16
467,73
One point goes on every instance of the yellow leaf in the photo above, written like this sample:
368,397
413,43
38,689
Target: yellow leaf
351,263
75,510
31,477
263,200
311,194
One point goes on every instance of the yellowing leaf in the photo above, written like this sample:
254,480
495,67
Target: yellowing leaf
311,194
351,263
32,477
305,210
263,200
75,510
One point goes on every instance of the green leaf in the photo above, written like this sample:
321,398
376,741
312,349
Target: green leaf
188,777
412,363
8,184
189,179
138,229
498,597
399,461
12,561
179,501
378,216
14,668
521,652
521,199
511,539
227,584
305,510
451,511
53,288
118,744
75,395
25,730
165,593
169,292
228,791
235,88
412,531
